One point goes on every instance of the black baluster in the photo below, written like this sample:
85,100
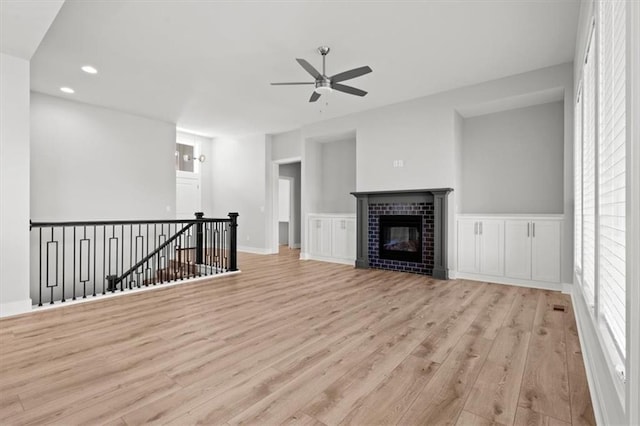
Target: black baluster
95,245
74,263
154,262
104,258
130,256
40,278
84,283
122,255
51,287
63,261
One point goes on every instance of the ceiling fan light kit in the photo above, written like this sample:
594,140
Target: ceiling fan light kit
324,84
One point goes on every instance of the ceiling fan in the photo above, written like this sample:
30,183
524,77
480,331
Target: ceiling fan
326,84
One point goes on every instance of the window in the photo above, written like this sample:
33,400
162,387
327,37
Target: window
578,182
611,170
588,175
184,157
600,179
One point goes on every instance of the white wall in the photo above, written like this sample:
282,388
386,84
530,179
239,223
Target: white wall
287,145
337,177
512,161
239,185
422,132
207,177
14,185
90,163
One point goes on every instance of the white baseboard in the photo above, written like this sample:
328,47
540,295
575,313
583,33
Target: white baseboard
18,307
308,256
295,246
255,250
109,295
604,397
564,288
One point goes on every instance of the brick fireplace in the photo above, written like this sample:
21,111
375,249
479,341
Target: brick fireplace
415,254
403,231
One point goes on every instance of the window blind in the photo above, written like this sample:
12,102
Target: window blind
588,174
578,183
611,169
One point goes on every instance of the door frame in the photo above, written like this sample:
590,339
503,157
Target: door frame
275,176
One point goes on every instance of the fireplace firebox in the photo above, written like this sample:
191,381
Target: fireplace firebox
400,238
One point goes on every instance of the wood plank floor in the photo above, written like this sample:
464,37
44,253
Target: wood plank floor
303,343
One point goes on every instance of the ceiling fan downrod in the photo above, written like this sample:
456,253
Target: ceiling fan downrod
324,51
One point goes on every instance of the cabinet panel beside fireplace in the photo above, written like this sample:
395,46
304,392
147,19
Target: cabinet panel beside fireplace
331,238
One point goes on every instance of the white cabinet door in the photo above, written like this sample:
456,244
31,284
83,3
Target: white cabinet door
491,233
320,236
344,238
467,245
517,250
545,246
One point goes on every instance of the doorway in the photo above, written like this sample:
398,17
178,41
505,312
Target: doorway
188,180
287,204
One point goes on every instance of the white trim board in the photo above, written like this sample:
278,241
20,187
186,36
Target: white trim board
306,256
18,307
255,250
35,308
562,287
604,397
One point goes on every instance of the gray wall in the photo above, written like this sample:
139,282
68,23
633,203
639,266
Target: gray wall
90,163
286,145
294,171
14,185
337,177
512,161
239,185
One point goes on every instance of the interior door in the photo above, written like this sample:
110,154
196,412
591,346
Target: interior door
187,197
284,212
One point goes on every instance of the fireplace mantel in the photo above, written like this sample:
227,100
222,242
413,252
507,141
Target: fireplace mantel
437,196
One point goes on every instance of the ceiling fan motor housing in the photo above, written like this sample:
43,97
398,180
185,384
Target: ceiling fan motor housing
323,86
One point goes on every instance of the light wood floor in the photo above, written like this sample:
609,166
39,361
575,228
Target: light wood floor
305,343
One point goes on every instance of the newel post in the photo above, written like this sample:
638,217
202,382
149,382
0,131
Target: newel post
199,239
233,242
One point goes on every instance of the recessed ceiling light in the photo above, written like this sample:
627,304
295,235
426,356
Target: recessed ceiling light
67,90
89,69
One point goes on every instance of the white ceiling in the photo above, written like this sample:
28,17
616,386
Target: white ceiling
207,65
23,23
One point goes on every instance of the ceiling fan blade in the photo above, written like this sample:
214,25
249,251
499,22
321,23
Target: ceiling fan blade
289,84
309,68
348,75
314,97
348,89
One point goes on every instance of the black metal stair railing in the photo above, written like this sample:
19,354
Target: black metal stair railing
73,260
